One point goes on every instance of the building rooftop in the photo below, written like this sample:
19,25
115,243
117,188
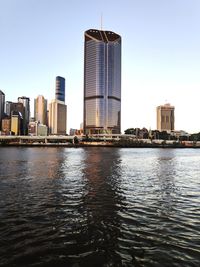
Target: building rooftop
105,36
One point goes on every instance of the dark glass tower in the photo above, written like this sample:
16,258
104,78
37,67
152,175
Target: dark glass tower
7,108
60,89
2,105
102,82
26,103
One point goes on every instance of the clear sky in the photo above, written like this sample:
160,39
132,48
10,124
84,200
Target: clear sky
41,39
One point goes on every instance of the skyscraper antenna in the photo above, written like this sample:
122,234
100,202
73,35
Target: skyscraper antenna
101,21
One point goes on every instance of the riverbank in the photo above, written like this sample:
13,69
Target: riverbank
136,144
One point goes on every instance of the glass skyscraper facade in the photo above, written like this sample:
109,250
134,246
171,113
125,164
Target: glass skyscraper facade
60,89
102,82
57,118
26,103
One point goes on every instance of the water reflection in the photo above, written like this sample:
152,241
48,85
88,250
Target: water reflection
27,203
165,171
99,207
102,203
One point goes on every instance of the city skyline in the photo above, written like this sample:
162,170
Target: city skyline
160,55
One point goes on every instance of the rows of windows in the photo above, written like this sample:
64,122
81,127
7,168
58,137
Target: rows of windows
96,74
100,112
102,77
114,108
167,118
95,112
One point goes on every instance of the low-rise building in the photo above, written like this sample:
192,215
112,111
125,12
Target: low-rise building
6,125
42,130
35,129
32,128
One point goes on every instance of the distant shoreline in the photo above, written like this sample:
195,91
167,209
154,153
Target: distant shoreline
102,144
123,141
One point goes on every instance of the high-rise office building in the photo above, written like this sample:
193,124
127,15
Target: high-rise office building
8,108
60,89
26,103
165,117
102,82
2,105
57,117
40,109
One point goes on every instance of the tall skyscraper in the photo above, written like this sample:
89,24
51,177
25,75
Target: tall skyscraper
2,105
26,103
40,109
102,82
60,89
57,116
165,117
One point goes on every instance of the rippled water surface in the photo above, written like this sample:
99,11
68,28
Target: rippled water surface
99,207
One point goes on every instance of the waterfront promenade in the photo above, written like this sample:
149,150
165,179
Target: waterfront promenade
115,140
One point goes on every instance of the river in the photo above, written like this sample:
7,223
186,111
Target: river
99,207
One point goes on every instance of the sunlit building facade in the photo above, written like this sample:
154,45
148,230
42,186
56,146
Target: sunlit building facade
165,118
16,123
57,117
17,111
102,82
40,109
6,125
